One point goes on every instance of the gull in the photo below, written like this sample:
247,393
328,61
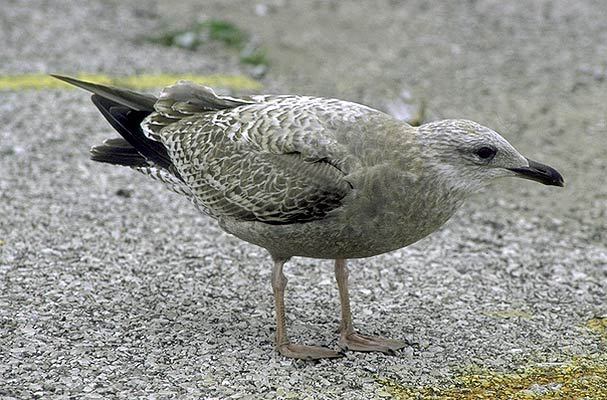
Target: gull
307,176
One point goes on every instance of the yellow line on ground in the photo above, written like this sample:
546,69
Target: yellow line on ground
581,377
143,81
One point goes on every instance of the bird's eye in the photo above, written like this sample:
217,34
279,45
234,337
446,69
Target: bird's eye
486,153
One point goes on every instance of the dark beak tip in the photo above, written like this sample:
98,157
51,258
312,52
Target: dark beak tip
541,173
558,178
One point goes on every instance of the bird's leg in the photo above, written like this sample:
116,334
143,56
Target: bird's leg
348,338
279,282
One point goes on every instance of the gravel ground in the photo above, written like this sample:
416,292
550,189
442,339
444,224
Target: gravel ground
112,287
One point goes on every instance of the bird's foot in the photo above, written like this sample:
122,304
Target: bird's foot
304,352
357,342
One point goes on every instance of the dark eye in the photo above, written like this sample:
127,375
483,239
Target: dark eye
486,153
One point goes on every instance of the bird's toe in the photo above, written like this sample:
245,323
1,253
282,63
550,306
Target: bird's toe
357,342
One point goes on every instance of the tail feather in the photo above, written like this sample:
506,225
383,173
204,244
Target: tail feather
128,124
125,110
118,151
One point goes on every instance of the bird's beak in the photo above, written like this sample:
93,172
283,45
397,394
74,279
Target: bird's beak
540,173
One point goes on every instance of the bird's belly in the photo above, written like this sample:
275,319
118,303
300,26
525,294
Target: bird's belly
343,236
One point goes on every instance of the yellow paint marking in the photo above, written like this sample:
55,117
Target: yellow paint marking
581,378
598,325
1,242
143,81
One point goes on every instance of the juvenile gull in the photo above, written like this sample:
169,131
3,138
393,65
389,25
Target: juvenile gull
307,176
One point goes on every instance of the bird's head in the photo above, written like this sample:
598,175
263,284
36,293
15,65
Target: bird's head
466,156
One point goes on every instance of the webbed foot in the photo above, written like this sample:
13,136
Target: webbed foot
357,342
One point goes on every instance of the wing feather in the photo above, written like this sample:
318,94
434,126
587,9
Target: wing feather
272,159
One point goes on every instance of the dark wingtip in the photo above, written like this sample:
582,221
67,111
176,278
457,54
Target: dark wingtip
131,99
66,79
91,87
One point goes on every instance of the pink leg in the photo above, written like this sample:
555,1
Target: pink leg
348,338
279,283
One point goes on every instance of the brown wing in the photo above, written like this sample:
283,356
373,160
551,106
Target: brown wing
270,159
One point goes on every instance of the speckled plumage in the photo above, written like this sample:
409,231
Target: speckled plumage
299,175
307,176
254,162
